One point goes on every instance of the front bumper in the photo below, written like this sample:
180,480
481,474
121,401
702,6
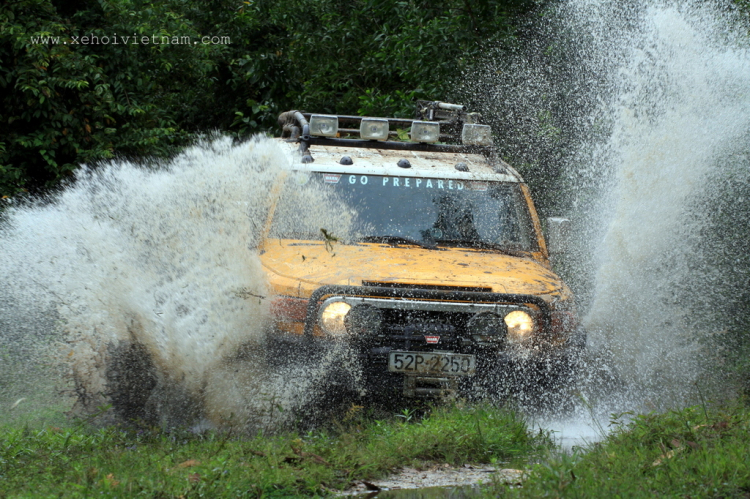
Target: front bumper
346,367
499,370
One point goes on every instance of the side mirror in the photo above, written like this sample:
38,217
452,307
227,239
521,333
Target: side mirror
558,235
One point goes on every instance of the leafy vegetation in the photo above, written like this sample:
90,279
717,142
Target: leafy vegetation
80,461
89,80
694,452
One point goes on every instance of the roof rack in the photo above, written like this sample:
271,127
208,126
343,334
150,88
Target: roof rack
456,129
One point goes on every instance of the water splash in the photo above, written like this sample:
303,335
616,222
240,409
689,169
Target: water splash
679,108
636,116
158,260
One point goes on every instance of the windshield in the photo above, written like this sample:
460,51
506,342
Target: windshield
430,212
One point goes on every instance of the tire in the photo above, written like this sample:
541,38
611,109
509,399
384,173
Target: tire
549,385
131,379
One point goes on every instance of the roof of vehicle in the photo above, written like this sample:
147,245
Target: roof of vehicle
464,150
377,161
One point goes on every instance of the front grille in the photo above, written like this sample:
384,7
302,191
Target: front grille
406,330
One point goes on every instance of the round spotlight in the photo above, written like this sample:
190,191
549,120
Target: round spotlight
520,326
363,321
487,327
332,318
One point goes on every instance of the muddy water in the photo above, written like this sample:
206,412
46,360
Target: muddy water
163,255
459,492
651,99
439,481
678,113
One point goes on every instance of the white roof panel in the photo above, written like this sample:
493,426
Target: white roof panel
373,161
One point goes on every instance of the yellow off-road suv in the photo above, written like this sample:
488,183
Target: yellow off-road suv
442,284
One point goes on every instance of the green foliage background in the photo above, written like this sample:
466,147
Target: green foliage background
67,103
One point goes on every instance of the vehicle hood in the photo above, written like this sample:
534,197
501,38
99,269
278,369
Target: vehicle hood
312,263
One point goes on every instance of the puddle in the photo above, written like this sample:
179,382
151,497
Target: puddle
428,493
569,435
440,481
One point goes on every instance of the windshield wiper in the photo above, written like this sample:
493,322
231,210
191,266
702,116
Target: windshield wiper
396,240
473,243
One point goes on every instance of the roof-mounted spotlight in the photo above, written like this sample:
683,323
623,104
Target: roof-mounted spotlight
476,135
425,131
323,125
373,129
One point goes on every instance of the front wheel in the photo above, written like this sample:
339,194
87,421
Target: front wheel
552,384
131,379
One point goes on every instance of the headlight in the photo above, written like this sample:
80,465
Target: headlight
486,327
373,129
324,125
425,131
476,135
520,326
363,321
332,318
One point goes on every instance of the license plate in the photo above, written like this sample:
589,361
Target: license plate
442,364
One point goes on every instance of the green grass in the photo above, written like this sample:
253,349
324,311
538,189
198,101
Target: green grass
82,461
694,452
